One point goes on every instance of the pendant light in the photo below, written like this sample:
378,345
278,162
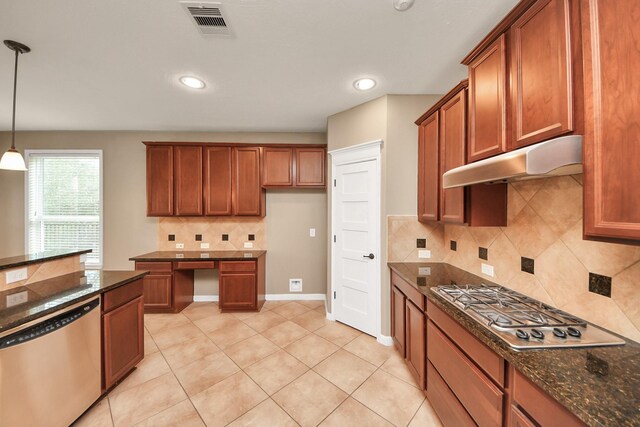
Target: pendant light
12,159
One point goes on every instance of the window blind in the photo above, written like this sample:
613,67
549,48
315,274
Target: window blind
64,206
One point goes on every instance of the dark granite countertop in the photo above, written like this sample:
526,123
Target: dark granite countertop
20,260
198,255
26,303
600,385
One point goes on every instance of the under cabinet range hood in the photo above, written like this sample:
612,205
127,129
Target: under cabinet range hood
559,156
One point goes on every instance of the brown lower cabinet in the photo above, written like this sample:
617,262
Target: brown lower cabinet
166,289
242,285
122,332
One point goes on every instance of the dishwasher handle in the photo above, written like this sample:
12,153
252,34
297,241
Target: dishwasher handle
48,326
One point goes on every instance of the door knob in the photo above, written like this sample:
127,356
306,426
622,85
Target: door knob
370,256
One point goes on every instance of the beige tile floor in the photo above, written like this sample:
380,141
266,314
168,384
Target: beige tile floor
285,366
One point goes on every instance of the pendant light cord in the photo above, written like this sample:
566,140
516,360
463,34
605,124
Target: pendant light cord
13,120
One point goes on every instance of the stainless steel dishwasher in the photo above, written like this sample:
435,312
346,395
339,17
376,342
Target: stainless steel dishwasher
50,368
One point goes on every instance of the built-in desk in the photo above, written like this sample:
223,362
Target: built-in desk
169,286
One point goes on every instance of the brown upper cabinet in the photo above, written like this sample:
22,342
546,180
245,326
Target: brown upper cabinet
442,147
612,119
218,175
294,167
487,102
159,180
187,177
248,198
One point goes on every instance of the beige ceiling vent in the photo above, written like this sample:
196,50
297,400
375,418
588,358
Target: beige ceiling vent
209,18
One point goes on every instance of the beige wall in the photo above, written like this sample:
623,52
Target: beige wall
544,223
127,229
390,118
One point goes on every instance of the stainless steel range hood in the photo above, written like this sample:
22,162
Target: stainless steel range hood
560,156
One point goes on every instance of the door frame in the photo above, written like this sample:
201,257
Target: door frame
356,154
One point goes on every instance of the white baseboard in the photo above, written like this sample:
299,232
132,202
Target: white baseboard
385,340
269,297
295,297
205,298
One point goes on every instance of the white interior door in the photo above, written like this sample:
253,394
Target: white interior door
356,286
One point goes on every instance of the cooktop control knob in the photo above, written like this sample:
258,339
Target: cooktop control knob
537,334
559,333
573,332
522,334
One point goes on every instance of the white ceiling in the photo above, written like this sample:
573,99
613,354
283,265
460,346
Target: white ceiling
113,64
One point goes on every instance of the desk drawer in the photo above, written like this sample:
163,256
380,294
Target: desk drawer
237,266
480,397
195,265
121,295
153,266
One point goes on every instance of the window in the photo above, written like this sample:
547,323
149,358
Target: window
64,202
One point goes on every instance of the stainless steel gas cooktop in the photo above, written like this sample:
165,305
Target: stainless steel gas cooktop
523,322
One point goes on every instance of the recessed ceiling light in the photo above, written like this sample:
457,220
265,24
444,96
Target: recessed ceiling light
364,84
192,82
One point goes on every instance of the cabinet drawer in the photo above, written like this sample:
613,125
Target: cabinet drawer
121,295
542,407
409,291
237,266
153,266
518,419
195,265
483,356
445,403
481,398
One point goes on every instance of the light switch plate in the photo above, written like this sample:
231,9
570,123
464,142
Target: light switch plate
204,246
16,275
312,232
17,298
424,253
248,245
179,245
487,269
424,271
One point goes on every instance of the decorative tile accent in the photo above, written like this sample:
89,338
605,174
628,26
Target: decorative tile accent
172,237
453,245
421,243
483,253
526,265
600,284
198,237
237,229
251,237
225,237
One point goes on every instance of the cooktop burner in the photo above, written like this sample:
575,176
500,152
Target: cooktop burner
524,322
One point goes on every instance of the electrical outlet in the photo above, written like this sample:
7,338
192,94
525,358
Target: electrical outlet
205,255
312,232
487,269
204,246
179,245
16,275
179,255
248,245
295,285
424,253
17,298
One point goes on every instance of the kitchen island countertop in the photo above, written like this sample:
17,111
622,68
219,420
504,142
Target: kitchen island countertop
600,385
24,304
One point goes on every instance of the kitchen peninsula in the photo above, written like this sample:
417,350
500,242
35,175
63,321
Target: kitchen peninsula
169,287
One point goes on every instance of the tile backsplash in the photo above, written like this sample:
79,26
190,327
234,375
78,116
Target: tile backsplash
545,227
222,234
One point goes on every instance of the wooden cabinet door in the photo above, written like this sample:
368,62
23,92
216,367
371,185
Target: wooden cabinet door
187,174
159,180
541,77
612,118
487,103
248,196
123,340
415,342
238,291
398,304
518,419
310,167
428,169
277,167
218,172
157,291
453,141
